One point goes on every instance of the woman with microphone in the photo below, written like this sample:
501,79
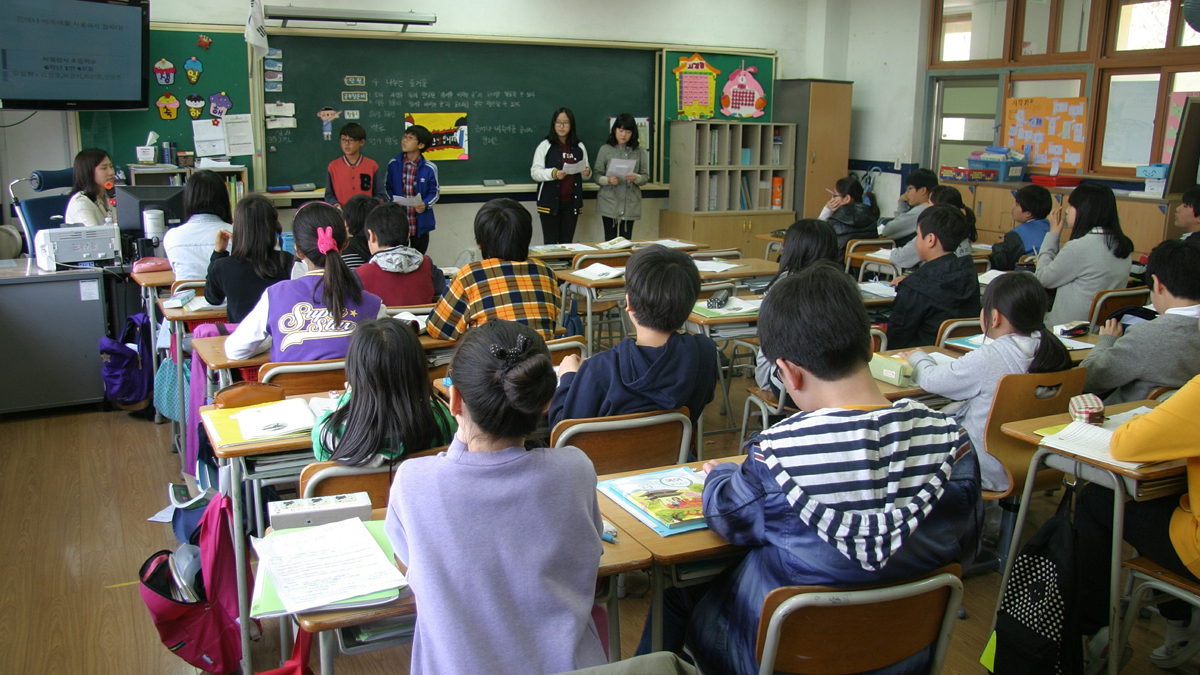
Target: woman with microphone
92,182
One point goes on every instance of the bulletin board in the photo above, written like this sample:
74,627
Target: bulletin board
219,67
1050,131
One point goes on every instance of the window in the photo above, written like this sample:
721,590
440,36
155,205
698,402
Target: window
1073,26
971,30
1128,116
956,38
1039,86
1053,27
966,119
1143,24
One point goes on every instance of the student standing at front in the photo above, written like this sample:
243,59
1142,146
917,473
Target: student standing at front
560,194
409,174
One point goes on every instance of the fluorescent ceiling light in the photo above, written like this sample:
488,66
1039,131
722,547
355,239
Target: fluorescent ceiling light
290,13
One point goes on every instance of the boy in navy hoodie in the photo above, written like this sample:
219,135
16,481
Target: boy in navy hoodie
660,368
1031,205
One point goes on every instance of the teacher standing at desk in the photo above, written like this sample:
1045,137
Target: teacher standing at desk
560,188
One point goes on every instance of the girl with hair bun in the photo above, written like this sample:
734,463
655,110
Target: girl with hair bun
310,318
501,543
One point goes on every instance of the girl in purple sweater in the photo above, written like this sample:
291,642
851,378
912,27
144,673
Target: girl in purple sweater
501,544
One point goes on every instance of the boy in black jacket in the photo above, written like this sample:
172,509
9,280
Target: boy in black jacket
944,287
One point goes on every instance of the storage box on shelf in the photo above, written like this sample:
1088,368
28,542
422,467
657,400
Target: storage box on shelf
729,182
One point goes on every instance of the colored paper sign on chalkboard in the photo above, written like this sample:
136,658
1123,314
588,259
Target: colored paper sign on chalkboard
354,96
449,130
354,81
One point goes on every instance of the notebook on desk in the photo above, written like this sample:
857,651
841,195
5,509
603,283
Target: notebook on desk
1092,441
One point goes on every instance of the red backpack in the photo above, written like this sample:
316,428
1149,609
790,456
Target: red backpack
203,633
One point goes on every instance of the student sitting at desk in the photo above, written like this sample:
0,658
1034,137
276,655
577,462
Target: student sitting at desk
811,500
206,211
944,287
805,243
1164,352
392,411
502,544
903,226
1031,205
1164,530
354,213
1096,258
906,256
506,284
399,274
255,263
1014,309
658,369
310,318
90,177
851,212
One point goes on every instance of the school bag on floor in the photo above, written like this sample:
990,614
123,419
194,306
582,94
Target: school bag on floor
1037,623
128,372
203,633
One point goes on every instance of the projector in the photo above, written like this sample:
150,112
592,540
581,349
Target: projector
90,246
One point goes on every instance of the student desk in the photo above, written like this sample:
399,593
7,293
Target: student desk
1077,355
773,244
710,326
1148,482
150,282
892,392
626,555
668,553
176,316
595,290
568,255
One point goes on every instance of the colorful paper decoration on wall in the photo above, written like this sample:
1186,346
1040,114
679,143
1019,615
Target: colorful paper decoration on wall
168,106
743,96
203,42
164,72
192,68
218,104
449,131
327,116
696,87
195,105
1174,114
1050,131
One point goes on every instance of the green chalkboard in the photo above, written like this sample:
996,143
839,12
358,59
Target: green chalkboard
508,92
224,69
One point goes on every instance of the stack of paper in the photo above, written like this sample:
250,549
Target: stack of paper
881,254
284,418
669,243
989,276
715,266
615,243
970,343
877,289
553,248
598,271
409,317
341,565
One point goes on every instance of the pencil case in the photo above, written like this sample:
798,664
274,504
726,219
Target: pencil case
1087,408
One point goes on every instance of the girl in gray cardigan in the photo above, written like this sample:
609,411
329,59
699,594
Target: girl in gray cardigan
1096,258
619,201
1013,309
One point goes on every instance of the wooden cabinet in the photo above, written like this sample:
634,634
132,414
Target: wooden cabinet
820,110
728,230
235,178
1147,223
722,167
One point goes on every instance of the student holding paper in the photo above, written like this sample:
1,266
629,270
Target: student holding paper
501,543
622,166
558,162
412,182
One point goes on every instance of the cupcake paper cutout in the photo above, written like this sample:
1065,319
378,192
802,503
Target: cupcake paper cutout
168,106
218,104
164,72
195,105
192,68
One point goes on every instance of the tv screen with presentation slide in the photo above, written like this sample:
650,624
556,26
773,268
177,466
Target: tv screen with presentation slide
74,54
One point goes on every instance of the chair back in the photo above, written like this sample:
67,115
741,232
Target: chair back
819,630
321,479
416,310
878,341
956,328
731,253
1104,303
982,265
628,442
1021,397
610,258
560,348
865,246
305,377
197,284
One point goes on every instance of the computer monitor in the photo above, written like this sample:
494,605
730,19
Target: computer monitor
132,200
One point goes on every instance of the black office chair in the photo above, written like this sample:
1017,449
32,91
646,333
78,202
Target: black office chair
39,213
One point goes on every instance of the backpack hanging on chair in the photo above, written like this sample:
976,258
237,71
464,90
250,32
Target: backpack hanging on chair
128,372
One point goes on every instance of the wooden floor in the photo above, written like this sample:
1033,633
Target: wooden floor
77,485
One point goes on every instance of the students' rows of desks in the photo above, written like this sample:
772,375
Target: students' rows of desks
696,556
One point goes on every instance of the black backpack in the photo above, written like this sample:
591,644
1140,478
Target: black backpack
1037,623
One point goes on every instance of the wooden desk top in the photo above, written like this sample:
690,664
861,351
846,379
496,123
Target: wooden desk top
264,447
1024,430
181,314
1077,355
153,279
864,257
562,254
769,237
892,393
625,555
211,351
875,300
747,268
677,548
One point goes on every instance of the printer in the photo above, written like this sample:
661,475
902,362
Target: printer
79,246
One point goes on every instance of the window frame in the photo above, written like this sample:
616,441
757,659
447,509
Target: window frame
1052,55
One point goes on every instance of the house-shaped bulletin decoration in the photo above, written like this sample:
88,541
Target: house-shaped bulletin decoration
696,84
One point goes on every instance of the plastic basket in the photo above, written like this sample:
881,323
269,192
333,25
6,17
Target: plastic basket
1008,169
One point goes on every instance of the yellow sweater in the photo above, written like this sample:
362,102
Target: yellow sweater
1170,431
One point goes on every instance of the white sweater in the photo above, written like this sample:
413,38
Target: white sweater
189,246
84,211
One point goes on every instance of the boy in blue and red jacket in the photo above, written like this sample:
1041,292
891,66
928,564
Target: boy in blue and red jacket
409,174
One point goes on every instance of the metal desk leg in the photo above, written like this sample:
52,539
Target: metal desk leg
590,326
657,582
148,298
239,560
181,427
328,650
1114,581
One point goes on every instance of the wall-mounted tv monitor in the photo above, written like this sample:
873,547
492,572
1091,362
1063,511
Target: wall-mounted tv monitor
75,54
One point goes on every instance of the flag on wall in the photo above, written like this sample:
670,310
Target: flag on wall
256,29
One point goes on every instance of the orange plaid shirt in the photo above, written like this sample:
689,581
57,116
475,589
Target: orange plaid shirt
498,289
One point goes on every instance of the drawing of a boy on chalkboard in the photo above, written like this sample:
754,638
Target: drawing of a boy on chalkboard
328,115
